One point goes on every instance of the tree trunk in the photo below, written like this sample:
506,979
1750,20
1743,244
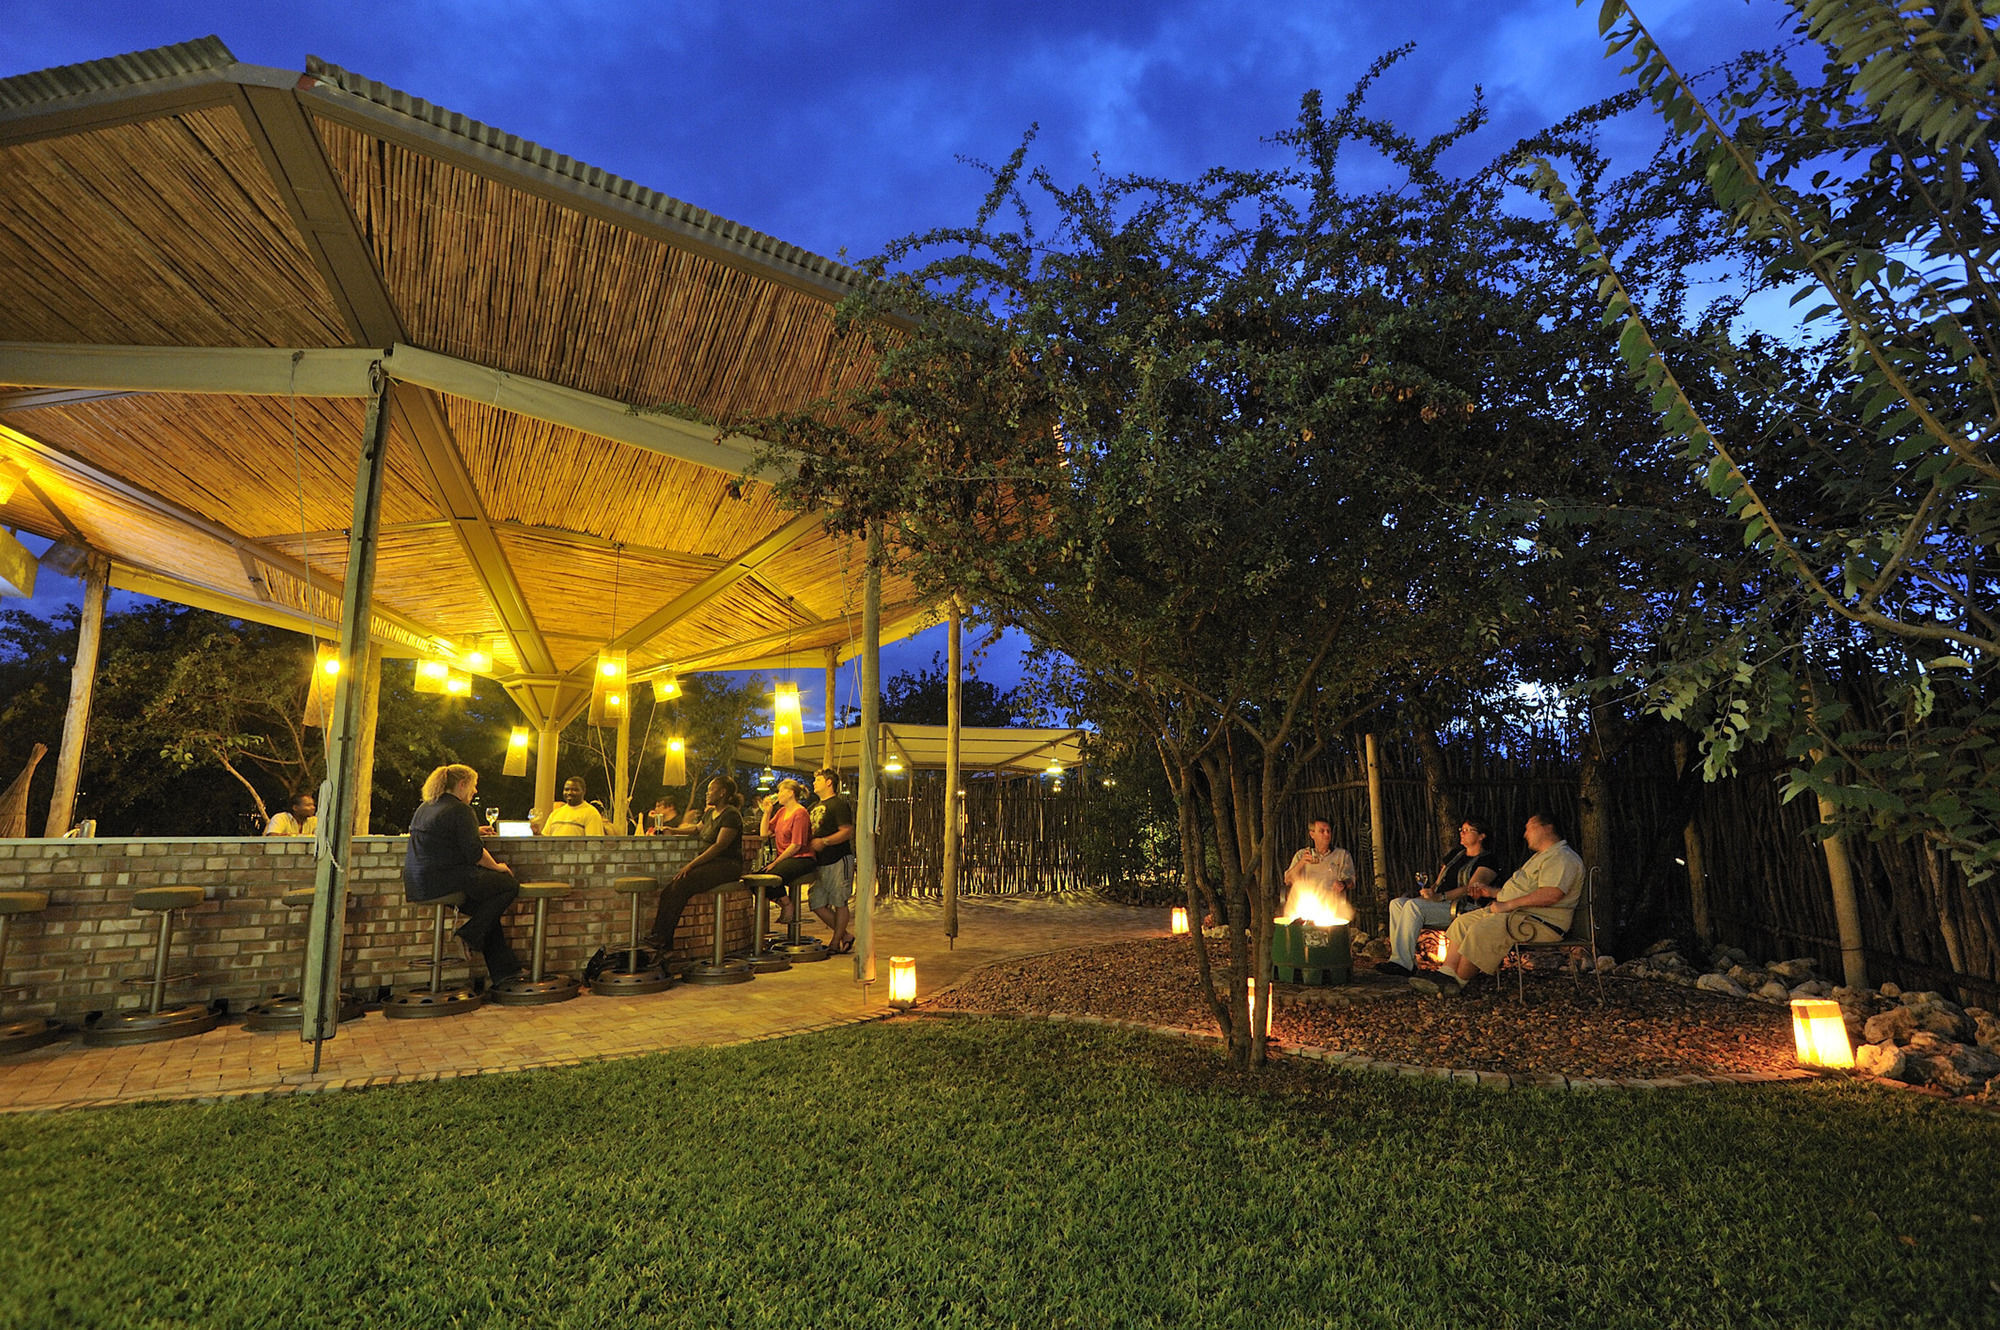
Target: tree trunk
1444,804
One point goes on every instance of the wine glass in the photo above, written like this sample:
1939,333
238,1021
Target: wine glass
493,816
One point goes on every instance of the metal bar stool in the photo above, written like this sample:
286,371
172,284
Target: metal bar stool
157,1021
18,1036
427,1001
287,1011
760,961
636,970
532,989
797,947
718,969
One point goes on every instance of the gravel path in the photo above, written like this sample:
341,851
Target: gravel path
1641,1028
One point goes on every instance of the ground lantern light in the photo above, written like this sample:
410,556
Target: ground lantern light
1180,920
1820,1032
903,982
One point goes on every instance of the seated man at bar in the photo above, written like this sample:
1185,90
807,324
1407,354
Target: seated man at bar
721,860
665,816
447,855
571,817
1470,875
786,828
1535,905
299,819
832,844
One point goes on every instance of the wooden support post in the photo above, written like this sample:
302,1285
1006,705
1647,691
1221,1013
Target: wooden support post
327,930
621,778
954,705
867,794
364,743
545,769
1376,837
832,707
82,679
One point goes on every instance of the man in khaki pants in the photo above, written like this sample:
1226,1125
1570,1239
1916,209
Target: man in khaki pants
1535,905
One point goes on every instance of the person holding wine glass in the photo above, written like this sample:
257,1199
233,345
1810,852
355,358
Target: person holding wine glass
1471,875
572,817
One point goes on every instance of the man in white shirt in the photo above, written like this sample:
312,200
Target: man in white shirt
571,817
1535,905
301,819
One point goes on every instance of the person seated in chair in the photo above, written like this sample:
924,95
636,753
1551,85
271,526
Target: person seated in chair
571,817
1535,905
299,819
1319,876
1471,875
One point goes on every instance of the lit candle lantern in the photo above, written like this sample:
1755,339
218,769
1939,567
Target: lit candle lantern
1820,1033
903,981
1438,952
1180,920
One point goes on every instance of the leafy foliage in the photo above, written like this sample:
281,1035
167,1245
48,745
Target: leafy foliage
1862,471
922,697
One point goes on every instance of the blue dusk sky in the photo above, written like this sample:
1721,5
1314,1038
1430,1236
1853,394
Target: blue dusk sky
840,126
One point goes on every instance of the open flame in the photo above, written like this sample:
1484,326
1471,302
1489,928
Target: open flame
1318,908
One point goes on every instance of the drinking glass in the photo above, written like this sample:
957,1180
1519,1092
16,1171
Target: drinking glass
493,817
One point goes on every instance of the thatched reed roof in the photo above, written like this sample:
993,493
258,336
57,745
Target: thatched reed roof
199,262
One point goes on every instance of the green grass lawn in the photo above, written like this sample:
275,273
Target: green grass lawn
991,1173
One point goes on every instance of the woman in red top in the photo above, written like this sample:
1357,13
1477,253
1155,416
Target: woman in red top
786,829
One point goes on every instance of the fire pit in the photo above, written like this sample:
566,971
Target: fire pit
1307,953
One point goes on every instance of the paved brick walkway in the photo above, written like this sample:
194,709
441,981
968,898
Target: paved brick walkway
231,1062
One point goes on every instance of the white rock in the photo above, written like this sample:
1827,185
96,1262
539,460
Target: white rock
1880,1060
1606,964
1794,970
1720,983
1890,990
1773,991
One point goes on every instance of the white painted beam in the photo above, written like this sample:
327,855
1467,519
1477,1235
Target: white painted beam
234,370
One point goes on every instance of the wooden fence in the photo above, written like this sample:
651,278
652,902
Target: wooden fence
1021,834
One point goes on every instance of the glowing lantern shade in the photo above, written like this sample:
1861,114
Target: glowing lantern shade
1180,920
477,659
786,723
607,688
517,753
903,981
433,673
1437,952
319,693
666,687
1820,1032
457,684
675,773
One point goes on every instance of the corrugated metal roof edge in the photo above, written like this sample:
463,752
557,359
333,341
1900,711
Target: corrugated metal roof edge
626,191
55,84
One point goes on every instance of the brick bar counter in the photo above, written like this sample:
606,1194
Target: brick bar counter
246,945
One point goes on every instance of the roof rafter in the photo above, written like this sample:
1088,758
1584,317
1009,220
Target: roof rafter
717,582
285,138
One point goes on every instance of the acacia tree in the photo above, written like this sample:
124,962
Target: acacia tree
1214,441
1864,472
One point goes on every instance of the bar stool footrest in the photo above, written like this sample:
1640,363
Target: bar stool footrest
20,1036
803,952
117,1029
762,962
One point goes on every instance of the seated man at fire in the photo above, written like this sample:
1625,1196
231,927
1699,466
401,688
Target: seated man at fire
1318,879
1535,905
